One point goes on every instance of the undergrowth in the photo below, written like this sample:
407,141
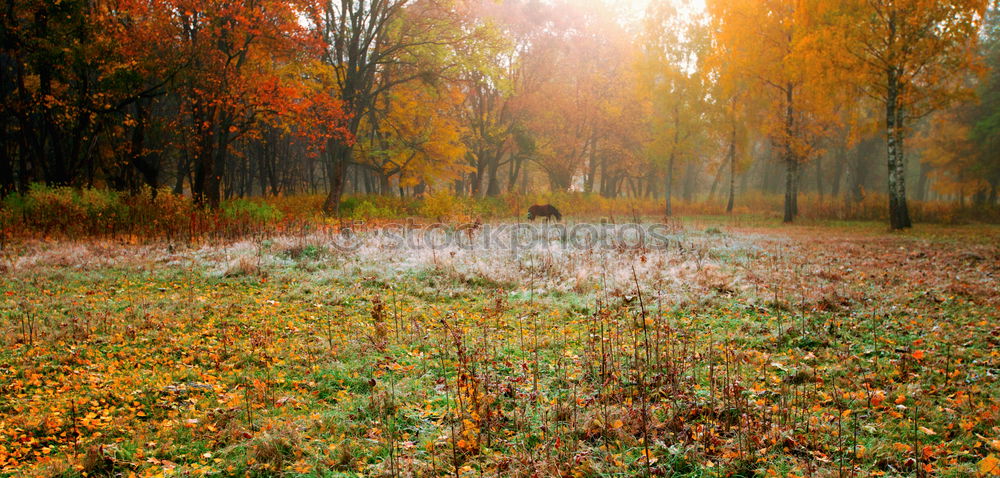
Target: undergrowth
68,213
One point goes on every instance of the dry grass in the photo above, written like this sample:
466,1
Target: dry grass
752,350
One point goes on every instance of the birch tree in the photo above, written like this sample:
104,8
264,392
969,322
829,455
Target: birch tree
913,57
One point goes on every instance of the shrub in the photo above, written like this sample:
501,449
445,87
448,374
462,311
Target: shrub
366,210
489,208
373,207
250,211
53,210
348,206
440,205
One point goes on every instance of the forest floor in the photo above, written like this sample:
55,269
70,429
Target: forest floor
739,349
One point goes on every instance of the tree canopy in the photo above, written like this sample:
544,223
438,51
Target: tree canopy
220,99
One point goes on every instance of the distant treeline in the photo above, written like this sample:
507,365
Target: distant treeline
219,100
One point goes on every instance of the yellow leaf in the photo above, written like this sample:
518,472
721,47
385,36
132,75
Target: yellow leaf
989,466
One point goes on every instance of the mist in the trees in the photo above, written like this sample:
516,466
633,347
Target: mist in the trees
838,101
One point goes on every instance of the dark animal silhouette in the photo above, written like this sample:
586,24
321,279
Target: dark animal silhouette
546,211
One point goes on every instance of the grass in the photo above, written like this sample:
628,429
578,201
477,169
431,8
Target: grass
814,350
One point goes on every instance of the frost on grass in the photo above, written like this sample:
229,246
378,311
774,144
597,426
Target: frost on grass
690,267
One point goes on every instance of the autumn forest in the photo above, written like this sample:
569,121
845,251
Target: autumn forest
660,100
500,238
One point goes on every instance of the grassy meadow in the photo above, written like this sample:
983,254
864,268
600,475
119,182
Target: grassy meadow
739,349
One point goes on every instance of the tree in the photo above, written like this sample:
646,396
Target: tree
948,148
769,44
986,115
233,79
580,67
961,145
494,110
729,101
912,56
419,139
375,46
673,46
76,82
731,129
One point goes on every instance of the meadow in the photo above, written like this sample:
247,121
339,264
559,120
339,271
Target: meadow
739,349
290,238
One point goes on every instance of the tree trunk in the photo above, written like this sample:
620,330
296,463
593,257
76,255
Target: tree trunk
210,157
715,181
368,176
652,183
605,187
202,172
273,172
669,185
791,189
213,185
899,215
691,180
476,179
6,166
819,177
492,180
838,171
979,198
515,170
383,182
925,168
8,146
791,163
588,187
339,156
732,170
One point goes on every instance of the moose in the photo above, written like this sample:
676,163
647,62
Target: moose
543,210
